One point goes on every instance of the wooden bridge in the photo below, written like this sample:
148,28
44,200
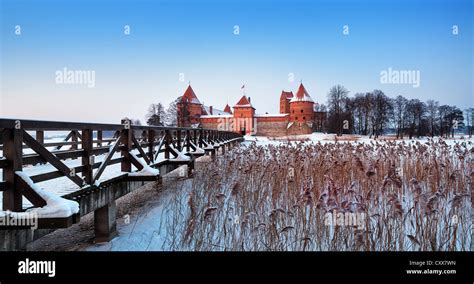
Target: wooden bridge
138,148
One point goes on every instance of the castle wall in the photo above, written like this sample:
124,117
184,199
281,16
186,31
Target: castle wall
272,126
298,128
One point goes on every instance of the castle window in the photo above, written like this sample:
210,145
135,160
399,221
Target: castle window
301,110
304,118
296,118
293,111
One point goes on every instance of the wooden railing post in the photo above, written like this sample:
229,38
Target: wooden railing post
187,140
74,140
126,165
40,136
201,132
87,155
13,152
99,138
195,137
178,138
167,144
151,144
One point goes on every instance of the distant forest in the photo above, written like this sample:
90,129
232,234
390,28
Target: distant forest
374,113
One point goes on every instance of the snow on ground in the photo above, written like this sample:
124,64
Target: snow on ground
318,137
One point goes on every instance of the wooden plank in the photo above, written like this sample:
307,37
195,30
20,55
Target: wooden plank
107,159
29,192
12,141
52,159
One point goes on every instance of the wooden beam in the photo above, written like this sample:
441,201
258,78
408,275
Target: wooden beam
52,159
160,145
65,140
29,192
107,159
140,149
135,162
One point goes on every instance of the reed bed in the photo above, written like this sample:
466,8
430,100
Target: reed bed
409,196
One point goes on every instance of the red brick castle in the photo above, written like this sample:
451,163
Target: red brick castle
297,115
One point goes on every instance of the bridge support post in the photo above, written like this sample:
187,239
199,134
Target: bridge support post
191,168
105,223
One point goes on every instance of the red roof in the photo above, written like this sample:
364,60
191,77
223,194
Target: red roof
243,102
227,109
287,95
190,96
302,95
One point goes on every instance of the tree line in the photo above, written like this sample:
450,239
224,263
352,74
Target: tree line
374,113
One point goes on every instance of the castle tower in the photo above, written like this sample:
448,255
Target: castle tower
301,106
189,109
285,98
244,113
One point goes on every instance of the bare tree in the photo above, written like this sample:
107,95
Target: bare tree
172,113
432,113
336,100
399,107
156,114
469,113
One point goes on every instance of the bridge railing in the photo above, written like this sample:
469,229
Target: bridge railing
86,141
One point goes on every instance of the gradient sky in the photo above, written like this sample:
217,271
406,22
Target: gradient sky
197,38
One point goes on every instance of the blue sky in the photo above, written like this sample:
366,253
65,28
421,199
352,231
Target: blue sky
197,38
